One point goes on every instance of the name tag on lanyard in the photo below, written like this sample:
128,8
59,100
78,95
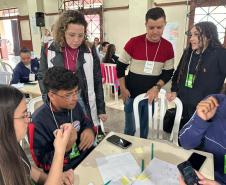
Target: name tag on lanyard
149,66
31,77
189,80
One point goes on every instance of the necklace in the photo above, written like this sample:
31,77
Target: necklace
71,54
54,118
73,57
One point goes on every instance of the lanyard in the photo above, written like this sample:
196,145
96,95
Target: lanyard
57,125
147,49
188,69
25,162
67,51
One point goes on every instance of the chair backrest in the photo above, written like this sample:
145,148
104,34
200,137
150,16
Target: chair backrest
110,74
35,103
5,77
156,120
103,73
6,67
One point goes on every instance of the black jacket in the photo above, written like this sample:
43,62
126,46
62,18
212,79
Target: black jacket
58,60
41,136
209,79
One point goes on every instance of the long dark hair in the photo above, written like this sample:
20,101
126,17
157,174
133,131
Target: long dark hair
11,167
207,30
110,52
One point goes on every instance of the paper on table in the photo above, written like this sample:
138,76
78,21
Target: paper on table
113,167
161,172
18,85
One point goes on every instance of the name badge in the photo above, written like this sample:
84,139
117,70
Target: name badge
149,66
189,81
31,77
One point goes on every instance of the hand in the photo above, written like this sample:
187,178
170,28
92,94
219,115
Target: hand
205,181
87,139
62,137
206,109
152,94
68,177
72,139
202,180
170,96
125,94
103,117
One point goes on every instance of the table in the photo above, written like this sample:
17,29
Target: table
32,89
88,171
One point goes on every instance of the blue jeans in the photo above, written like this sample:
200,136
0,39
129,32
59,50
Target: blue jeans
130,127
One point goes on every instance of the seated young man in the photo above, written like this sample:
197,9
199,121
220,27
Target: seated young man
26,70
62,107
206,131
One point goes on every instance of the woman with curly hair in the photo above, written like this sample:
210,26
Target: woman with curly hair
71,51
202,69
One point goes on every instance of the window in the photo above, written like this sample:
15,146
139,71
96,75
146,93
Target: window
9,12
215,14
92,9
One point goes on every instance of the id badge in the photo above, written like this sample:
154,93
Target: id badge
74,151
225,164
189,81
149,66
31,77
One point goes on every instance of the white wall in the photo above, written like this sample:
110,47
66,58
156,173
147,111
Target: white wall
20,4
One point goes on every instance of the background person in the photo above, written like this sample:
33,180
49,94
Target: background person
26,70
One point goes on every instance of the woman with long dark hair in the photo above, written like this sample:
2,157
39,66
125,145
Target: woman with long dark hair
15,168
110,56
202,69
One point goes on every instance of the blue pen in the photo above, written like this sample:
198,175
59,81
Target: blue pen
107,182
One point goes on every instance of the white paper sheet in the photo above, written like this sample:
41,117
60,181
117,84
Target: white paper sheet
113,167
161,172
18,85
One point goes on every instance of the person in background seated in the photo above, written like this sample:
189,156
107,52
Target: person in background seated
206,131
15,168
103,50
201,71
61,107
202,180
110,56
27,69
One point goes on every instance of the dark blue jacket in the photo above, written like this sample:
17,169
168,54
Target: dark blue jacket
209,136
21,72
41,136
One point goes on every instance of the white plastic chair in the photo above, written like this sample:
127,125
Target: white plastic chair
156,120
110,78
5,77
32,105
6,67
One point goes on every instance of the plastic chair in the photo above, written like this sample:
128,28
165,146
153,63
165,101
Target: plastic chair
156,119
32,105
5,77
110,78
6,67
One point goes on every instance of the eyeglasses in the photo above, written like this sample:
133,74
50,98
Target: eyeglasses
68,97
26,116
